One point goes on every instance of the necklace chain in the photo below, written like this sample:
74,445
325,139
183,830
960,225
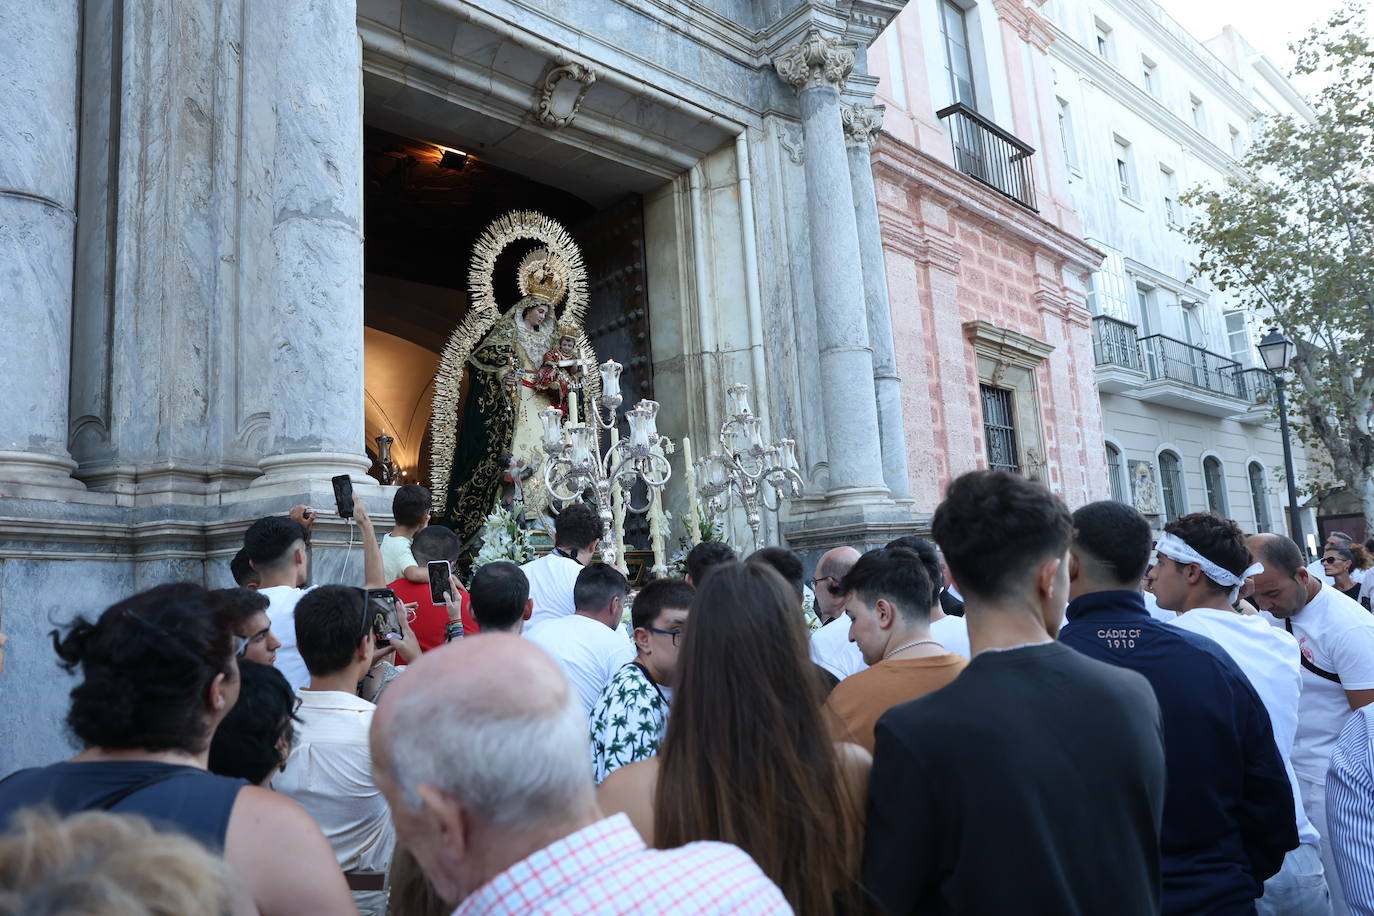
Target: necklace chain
912,645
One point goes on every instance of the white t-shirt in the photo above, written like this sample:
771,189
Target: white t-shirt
552,578
1335,634
1269,658
832,650
396,556
281,613
1157,612
952,633
589,652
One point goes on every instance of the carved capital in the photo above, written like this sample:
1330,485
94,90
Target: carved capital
861,122
561,94
815,61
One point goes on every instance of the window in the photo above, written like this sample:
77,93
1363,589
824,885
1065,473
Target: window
1066,134
1215,482
958,53
1149,76
1171,483
1238,336
1114,473
1259,499
1125,169
1103,37
1199,118
1145,305
1169,181
999,430
1237,147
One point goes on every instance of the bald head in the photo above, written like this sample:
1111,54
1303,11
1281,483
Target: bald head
831,568
491,722
1284,587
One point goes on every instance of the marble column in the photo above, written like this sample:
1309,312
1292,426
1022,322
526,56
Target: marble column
816,67
316,427
861,122
40,50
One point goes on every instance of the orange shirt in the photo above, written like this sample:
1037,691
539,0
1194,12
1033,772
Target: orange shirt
855,706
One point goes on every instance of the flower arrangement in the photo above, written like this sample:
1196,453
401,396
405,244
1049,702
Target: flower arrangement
503,539
711,530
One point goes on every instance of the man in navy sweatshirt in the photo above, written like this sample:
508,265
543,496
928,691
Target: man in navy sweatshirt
1228,806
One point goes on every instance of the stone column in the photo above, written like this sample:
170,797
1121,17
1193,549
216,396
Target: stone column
816,67
40,47
317,314
861,122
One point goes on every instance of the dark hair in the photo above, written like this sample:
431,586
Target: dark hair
245,744
787,564
576,527
1279,554
748,704
241,568
498,595
1218,539
596,585
410,505
704,556
1117,536
896,575
329,626
146,664
269,540
930,559
238,605
435,542
656,597
1344,553
993,527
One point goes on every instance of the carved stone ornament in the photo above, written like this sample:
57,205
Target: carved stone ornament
790,139
562,93
861,122
815,61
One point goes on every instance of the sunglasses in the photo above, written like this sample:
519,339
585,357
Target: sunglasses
1332,559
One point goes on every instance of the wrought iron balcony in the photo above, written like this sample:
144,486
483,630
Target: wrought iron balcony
1115,344
987,153
1167,358
1256,385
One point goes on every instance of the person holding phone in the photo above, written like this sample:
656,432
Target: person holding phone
436,548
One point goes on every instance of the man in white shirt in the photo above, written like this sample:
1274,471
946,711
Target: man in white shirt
589,644
577,531
329,771
830,645
279,550
1203,546
1336,639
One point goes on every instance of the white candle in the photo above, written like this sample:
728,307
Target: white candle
693,529
572,407
657,526
617,506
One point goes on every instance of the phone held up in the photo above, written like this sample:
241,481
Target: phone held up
381,610
343,495
439,572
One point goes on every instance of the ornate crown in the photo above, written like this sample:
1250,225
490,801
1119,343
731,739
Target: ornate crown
544,275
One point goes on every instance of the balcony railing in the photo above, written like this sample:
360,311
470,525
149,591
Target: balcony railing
987,153
1167,358
1256,385
1115,344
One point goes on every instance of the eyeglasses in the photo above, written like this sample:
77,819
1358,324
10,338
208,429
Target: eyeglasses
832,587
673,633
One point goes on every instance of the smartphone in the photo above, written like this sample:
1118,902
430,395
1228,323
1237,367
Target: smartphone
439,572
381,607
343,495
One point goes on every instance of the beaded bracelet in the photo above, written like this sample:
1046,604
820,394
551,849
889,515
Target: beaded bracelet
453,630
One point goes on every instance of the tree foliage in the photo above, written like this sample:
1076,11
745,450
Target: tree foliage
1291,233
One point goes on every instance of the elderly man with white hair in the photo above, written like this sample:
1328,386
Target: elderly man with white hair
481,751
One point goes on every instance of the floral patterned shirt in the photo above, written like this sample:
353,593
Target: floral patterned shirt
628,721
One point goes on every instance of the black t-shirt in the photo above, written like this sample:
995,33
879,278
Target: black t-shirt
1032,784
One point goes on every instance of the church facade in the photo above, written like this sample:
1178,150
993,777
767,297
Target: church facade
215,279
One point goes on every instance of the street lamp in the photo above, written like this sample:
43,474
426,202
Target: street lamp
1277,351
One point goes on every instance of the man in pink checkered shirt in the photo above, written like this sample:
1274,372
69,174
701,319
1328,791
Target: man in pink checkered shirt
481,750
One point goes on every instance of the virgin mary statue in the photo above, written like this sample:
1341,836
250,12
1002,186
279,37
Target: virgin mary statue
492,381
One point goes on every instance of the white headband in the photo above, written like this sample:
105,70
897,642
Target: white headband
1179,550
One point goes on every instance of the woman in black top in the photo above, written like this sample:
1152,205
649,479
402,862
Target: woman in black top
1339,563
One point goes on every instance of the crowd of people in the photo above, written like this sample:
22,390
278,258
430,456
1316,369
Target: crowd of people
1032,712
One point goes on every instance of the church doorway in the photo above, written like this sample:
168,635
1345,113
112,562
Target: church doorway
425,204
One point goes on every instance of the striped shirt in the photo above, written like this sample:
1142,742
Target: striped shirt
1350,810
605,868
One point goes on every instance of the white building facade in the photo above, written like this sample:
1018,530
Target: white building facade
1145,112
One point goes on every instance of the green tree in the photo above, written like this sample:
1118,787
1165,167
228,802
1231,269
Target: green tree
1292,234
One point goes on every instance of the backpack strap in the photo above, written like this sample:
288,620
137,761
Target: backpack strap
1306,663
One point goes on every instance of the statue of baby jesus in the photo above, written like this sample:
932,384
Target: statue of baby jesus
559,367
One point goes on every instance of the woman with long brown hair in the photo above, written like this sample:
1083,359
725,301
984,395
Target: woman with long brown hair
747,758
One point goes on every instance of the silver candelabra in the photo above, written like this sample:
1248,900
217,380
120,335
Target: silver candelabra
575,460
747,467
